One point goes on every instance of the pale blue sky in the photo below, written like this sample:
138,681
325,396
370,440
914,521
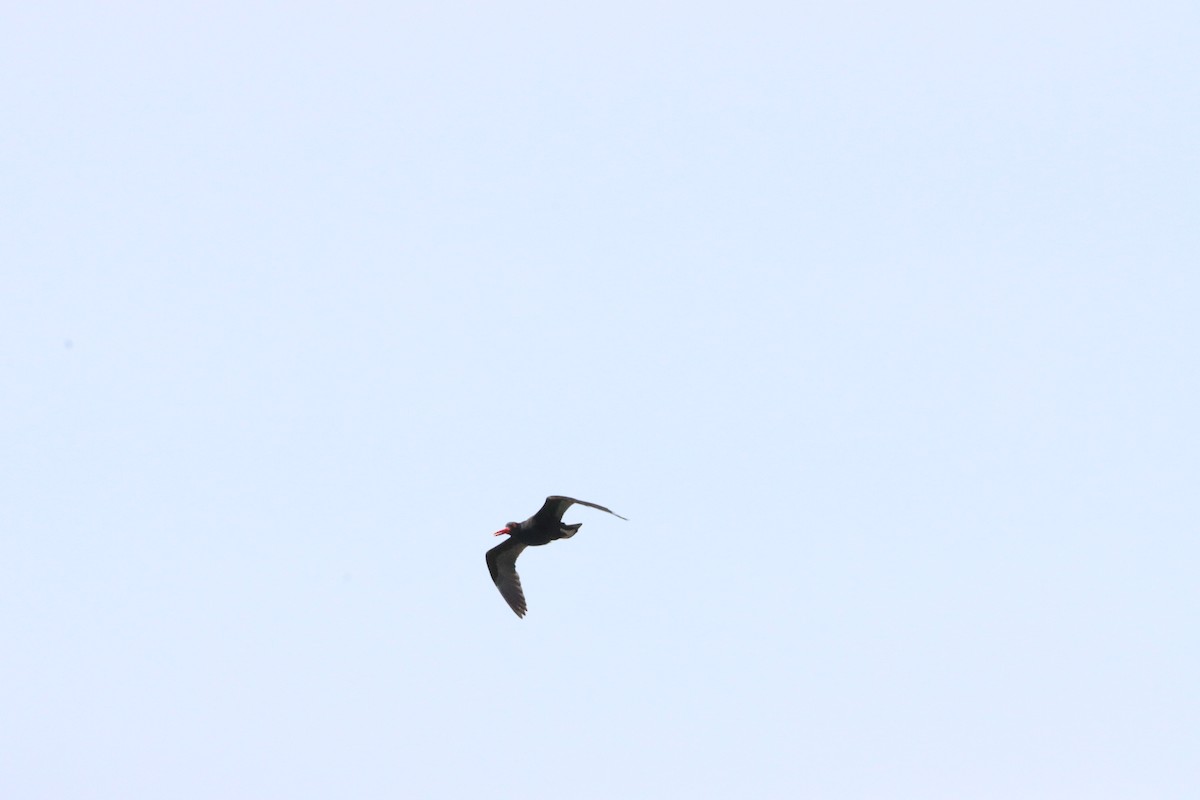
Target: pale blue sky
878,321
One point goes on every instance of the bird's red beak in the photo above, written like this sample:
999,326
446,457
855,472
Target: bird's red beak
502,532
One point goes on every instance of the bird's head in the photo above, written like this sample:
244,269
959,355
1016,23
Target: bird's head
509,528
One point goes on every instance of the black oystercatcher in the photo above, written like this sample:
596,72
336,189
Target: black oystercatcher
542,528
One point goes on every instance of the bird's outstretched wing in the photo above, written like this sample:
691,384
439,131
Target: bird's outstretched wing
556,505
502,563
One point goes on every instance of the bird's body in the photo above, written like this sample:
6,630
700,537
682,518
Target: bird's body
542,528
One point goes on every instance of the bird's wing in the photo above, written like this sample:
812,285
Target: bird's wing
556,505
502,563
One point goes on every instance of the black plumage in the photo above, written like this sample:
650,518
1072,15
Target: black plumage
542,528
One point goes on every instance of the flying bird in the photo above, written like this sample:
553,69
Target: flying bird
542,528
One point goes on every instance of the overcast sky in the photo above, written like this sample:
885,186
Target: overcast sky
877,320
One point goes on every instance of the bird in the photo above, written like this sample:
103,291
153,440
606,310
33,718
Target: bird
542,528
